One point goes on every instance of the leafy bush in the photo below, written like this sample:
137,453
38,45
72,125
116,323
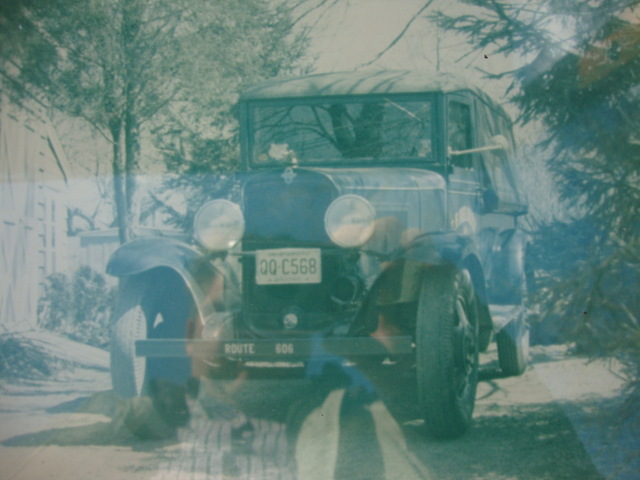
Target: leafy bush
79,309
587,283
21,360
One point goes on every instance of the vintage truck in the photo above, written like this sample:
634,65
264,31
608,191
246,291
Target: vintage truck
375,218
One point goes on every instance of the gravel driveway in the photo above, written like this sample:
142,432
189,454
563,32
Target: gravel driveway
559,420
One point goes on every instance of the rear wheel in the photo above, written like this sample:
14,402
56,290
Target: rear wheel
149,306
513,346
447,351
485,334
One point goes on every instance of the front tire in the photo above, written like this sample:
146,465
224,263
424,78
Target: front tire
447,351
152,305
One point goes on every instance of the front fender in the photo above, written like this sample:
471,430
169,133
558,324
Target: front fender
210,286
450,248
400,279
433,249
398,284
144,254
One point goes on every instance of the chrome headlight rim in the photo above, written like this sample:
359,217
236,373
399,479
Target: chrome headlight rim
221,236
339,231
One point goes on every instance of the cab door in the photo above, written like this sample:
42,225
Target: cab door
463,178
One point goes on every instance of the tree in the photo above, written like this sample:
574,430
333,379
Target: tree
119,63
580,79
98,60
198,133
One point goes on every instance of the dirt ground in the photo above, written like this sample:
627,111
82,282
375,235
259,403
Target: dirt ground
560,420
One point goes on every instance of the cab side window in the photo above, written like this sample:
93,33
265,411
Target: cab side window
459,130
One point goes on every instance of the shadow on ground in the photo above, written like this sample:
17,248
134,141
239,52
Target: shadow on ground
525,442
118,430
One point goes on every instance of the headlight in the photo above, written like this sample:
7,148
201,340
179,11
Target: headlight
349,221
219,225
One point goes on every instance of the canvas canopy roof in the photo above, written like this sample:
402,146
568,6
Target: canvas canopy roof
359,83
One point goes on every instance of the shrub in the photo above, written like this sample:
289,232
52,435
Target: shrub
79,309
54,307
21,359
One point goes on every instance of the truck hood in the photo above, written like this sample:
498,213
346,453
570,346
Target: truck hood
288,205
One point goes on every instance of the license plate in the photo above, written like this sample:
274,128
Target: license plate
288,265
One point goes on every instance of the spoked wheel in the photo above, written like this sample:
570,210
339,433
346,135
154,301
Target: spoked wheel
149,306
447,351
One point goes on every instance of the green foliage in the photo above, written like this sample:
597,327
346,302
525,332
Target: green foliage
20,359
54,308
580,81
587,290
239,43
143,72
80,308
583,88
107,61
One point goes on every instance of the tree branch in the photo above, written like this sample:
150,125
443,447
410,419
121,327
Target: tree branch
400,35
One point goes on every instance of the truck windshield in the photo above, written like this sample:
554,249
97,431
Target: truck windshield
381,129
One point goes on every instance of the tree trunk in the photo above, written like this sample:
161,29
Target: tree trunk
132,13
131,151
119,182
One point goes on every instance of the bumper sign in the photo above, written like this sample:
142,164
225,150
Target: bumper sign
273,350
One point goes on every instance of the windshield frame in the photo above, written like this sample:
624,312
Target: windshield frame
247,134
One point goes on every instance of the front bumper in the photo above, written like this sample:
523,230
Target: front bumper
275,350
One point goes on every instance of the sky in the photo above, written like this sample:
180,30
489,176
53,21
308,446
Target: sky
349,35
354,32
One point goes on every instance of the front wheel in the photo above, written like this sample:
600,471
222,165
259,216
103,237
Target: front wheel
447,351
153,305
